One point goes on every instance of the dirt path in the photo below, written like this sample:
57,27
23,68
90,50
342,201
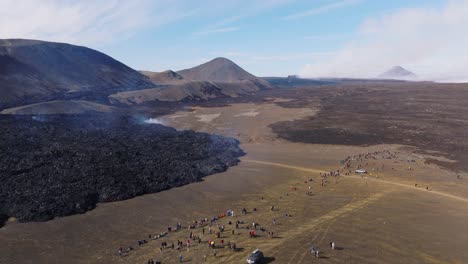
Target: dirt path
297,252
458,198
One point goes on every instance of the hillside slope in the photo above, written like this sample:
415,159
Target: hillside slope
35,71
191,91
60,107
164,78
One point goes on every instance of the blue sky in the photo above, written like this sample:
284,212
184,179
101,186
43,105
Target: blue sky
266,37
264,43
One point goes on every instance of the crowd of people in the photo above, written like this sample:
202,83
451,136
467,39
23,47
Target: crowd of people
211,231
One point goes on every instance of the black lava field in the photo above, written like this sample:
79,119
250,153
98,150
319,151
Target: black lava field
62,165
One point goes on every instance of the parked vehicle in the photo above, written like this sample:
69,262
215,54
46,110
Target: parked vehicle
256,257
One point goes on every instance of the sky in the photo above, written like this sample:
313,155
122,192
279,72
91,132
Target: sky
311,38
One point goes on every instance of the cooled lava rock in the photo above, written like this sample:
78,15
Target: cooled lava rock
62,165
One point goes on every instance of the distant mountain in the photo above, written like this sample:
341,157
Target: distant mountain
398,73
165,77
35,71
217,70
40,76
222,70
218,78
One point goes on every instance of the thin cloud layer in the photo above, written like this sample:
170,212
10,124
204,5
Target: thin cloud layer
91,22
237,11
216,31
431,42
323,9
87,21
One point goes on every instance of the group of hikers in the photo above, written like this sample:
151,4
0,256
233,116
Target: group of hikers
360,161
210,227
324,177
384,155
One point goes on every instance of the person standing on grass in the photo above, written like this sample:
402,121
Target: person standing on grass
180,257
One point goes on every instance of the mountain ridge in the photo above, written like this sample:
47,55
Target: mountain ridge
34,71
218,78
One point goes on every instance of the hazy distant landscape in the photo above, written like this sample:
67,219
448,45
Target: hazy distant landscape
233,132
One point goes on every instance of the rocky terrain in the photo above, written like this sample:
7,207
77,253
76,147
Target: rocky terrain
194,91
59,165
428,116
33,71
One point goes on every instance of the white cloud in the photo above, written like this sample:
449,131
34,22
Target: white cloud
429,41
216,31
328,37
235,10
91,22
229,54
250,58
323,9
289,57
85,21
